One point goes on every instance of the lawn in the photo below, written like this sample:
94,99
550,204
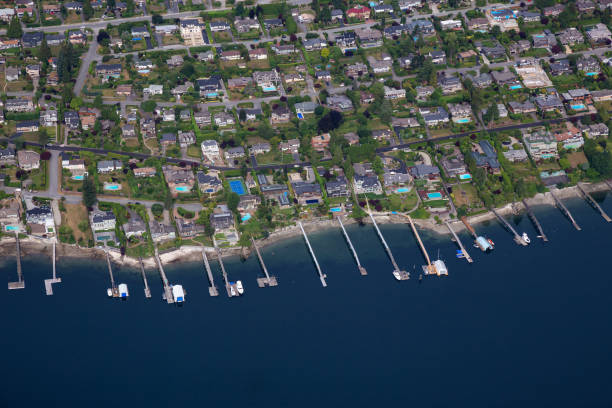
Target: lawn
465,195
75,215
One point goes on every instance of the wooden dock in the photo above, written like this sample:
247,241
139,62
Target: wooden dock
49,282
517,238
147,290
314,258
564,210
115,291
168,296
535,221
268,280
469,227
361,269
403,275
228,285
593,203
458,241
429,268
212,289
20,284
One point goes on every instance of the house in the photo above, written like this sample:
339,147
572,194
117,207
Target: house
175,61
424,92
346,40
244,25
152,90
135,226
570,36
71,119
290,146
19,105
478,24
337,15
395,31
339,102
480,81
451,24
544,40
291,78
103,220
528,16
6,14
161,232
585,6
560,67
260,148
210,87
323,75
234,153
10,212
168,115
123,90
31,39
423,171
392,93
548,103
409,5
553,11
205,56
454,166
286,49
231,55
488,157
314,44
307,193
210,149
599,33
33,71
224,119
216,26
366,98
438,57
77,37
8,43
515,155
320,142
541,145
221,218
306,18
272,23
369,38
108,71
508,78
381,65
464,56
460,112
382,9
495,52
48,118
239,83
434,116
449,84
359,12
168,139
186,139
280,114
166,29
143,66
337,188
208,183
28,160
27,126
12,74
144,171
193,32
258,54
40,220
188,228
577,98
597,130
203,118
382,134
55,39
569,136
7,156
266,79
108,166
420,27
367,184
304,108
519,108
602,95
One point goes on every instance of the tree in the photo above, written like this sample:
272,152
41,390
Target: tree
14,29
377,166
148,106
239,10
43,137
88,10
76,103
157,19
325,53
44,51
325,15
232,201
264,130
330,121
98,102
242,115
103,38
385,111
89,192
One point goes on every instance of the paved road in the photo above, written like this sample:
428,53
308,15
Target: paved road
86,61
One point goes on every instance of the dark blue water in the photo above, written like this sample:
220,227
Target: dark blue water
519,327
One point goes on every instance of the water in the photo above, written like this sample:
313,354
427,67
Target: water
519,327
182,189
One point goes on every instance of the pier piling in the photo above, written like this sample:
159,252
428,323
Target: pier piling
268,280
517,238
115,291
362,270
593,203
314,258
20,284
147,290
535,221
169,297
564,210
212,289
49,282
228,285
400,275
458,241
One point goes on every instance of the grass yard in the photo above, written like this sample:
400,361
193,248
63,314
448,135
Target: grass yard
465,195
75,215
576,159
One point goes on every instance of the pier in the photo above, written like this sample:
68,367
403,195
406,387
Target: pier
593,203
20,284
517,238
535,221
314,258
212,289
429,268
362,270
147,290
114,290
564,210
228,286
49,282
469,227
458,241
399,274
268,280
168,296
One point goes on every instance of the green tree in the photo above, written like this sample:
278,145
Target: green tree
43,136
98,102
89,192
242,115
157,19
44,51
148,106
88,10
385,112
14,29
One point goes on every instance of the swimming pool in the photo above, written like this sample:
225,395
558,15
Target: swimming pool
578,106
112,187
182,189
403,190
269,88
591,73
246,217
516,87
463,120
335,209
465,176
12,228
237,187
79,177
211,95
432,196
300,116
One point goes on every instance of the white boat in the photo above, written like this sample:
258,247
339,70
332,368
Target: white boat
526,238
233,291
109,292
123,290
397,275
239,287
178,293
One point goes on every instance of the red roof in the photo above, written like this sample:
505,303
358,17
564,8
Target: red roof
358,10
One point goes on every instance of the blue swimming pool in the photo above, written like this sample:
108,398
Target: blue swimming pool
112,187
463,120
12,228
300,116
269,88
246,217
335,209
435,195
211,95
516,87
403,190
465,176
79,177
591,73
182,189
237,187
578,106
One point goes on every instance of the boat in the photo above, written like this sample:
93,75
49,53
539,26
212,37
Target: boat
526,238
485,244
123,291
178,293
397,275
239,287
109,292
233,291
439,266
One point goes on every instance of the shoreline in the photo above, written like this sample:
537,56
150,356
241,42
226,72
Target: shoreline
35,246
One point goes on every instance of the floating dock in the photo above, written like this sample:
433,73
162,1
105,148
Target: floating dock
535,221
49,282
564,210
517,238
593,203
168,296
399,274
362,270
480,242
212,289
458,241
20,284
147,290
114,291
268,280
314,258
228,285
